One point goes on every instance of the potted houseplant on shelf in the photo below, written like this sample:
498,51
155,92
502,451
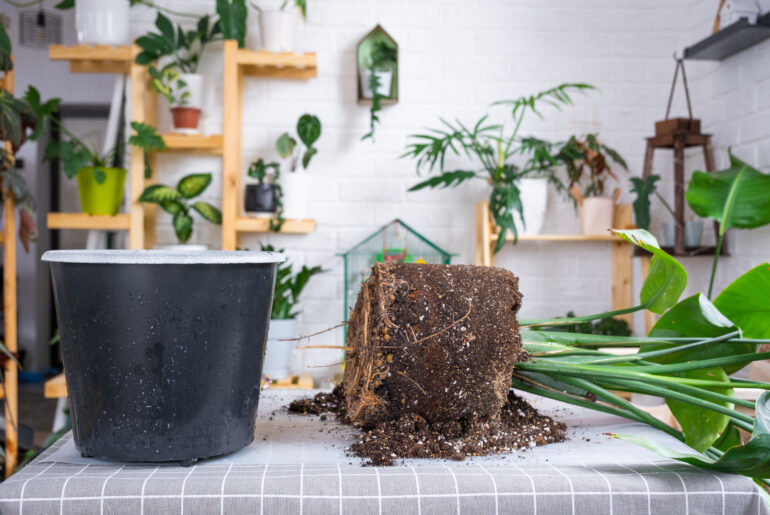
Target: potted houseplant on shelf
588,162
519,191
101,22
295,185
644,189
377,79
283,317
101,176
278,24
178,202
265,197
178,81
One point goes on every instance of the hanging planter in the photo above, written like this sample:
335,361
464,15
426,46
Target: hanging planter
377,63
162,351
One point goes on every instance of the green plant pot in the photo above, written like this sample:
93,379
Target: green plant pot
104,198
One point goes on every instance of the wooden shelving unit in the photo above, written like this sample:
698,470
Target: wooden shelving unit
10,315
139,221
621,250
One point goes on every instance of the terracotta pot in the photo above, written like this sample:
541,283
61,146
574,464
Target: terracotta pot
596,215
186,119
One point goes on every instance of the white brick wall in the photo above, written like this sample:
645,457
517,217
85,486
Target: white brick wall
456,57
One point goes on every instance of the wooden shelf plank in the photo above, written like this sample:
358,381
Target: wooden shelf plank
562,237
194,143
253,224
120,221
93,59
55,388
282,65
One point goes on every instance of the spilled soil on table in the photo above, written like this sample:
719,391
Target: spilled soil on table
519,426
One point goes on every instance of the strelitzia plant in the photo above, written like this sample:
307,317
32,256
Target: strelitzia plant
687,358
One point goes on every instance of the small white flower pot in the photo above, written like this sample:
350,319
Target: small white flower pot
278,29
534,200
596,215
278,353
384,76
693,231
102,22
296,195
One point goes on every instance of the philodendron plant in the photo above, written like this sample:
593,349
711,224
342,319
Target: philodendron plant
494,151
178,202
687,358
288,287
308,132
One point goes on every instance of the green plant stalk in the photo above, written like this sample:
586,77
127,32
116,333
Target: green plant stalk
666,205
587,318
717,251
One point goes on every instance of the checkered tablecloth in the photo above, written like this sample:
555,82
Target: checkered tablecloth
298,465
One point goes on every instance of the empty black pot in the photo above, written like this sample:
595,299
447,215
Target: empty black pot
260,198
162,350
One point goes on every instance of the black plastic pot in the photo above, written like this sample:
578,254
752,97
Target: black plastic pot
260,198
162,350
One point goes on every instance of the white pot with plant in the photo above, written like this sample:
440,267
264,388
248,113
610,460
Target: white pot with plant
179,203
102,22
295,184
377,78
178,81
534,204
283,318
278,27
589,164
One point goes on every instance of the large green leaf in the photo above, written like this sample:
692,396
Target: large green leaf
146,137
666,279
735,197
702,427
171,206
194,184
232,19
308,129
445,180
183,226
643,189
159,194
165,27
209,212
746,301
285,145
6,63
752,459
762,419
696,317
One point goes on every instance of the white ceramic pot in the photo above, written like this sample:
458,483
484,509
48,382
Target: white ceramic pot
384,76
194,85
693,230
278,353
596,215
534,203
296,194
278,29
102,22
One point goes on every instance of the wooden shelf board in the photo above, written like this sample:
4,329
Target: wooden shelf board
120,221
193,143
562,237
282,65
93,59
254,224
55,388
730,40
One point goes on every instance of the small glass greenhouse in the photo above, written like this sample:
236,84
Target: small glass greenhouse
395,242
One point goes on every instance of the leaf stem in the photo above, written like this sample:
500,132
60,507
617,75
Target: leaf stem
717,251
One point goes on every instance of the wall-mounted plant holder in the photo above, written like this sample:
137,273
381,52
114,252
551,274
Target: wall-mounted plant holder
377,64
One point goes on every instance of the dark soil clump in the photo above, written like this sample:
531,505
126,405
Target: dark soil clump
519,426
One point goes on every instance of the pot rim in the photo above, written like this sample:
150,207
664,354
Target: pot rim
162,257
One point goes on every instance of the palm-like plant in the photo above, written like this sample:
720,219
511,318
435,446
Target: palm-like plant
494,147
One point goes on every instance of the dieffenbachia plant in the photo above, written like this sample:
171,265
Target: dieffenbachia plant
178,203
687,358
